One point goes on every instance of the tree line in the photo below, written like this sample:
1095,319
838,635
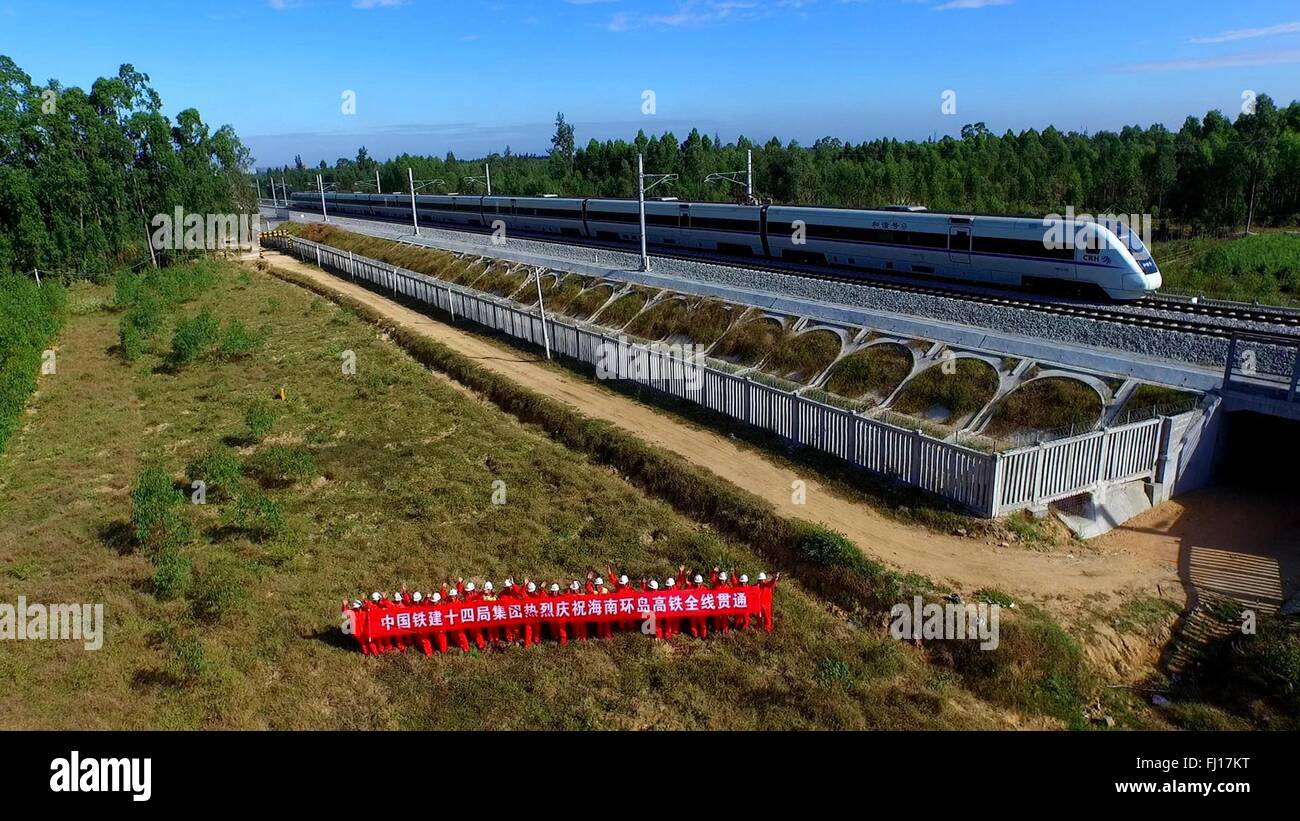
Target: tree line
1214,174
82,174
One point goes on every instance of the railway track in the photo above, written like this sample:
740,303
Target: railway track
1206,318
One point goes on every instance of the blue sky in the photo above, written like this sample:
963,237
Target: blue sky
433,75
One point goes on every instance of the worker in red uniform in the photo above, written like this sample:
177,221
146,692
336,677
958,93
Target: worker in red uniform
510,594
377,644
559,627
721,583
472,596
439,634
768,585
622,584
699,624
652,586
602,625
396,604
670,622
742,618
354,623
530,596
421,638
453,617
577,627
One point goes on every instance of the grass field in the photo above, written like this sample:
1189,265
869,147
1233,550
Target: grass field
1262,268
949,398
379,479
699,320
873,372
802,358
750,342
1046,405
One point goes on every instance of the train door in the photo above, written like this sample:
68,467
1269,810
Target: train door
959,244
684,217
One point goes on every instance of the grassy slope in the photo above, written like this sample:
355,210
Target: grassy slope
407,464
1263,268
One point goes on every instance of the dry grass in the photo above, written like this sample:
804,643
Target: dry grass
1046,405
405,467
699,320
620,312
750,342
949,398
802,358
873,372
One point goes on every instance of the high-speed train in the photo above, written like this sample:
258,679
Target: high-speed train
1011,251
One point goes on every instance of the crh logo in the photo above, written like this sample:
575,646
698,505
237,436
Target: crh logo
130,775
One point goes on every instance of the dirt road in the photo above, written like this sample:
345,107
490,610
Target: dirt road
967,564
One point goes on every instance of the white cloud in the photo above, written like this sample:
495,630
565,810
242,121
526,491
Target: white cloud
971,4
1245,58
1247,34
280,5
374,4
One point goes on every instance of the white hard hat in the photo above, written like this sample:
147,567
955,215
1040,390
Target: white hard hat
670,581
744,579
356,604
509,582
397,597
417,596
487,585
722,575
469,585
531,587
622,579
762,577
555,588
574,585
599,581
698,579
453,592
654,584
435,598
376,596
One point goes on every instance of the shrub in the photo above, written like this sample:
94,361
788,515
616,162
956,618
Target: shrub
238,341
258,515
29,318
219,590
157,511
186,652
282,465
259,418
826,547
171,575
219,470
193,337
130,341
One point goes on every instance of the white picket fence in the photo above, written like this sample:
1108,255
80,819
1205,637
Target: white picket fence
987,484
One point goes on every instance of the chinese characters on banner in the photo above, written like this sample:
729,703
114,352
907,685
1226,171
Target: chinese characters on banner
398,621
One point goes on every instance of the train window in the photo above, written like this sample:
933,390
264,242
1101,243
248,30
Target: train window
959,240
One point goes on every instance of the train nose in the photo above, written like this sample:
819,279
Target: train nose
1154,281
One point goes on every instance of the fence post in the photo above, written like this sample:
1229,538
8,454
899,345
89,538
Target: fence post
749,400
451,306
352,266
851,438
915,477
318,256
995,486
1103,456
1039,458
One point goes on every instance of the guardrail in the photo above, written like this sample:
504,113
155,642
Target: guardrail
986,484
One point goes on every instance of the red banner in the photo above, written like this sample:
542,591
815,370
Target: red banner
391,620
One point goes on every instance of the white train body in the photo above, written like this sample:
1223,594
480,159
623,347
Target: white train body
1011,251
